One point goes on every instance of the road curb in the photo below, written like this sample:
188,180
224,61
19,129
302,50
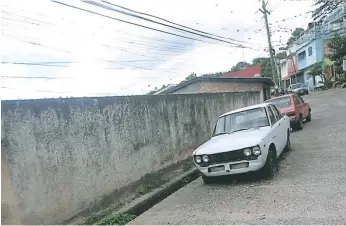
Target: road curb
147,201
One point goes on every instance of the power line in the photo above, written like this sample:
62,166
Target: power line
34,77
58,92
59,65
146,19
150,28
160,18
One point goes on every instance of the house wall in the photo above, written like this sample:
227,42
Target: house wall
217,87
292,67
284,69
61,157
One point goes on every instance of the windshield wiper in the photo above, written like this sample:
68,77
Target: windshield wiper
241,130
221,134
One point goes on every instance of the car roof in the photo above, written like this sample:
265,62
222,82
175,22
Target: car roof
262,105
286,95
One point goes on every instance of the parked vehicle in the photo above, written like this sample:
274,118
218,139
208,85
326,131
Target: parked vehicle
244,140
298,88
294,107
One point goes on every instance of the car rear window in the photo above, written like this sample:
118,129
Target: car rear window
281,102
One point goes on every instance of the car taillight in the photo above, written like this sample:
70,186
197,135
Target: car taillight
291,113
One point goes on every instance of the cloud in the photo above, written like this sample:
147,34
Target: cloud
93,42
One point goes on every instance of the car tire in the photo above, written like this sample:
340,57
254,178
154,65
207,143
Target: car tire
308,119
207,180
299,125
288,143
270,168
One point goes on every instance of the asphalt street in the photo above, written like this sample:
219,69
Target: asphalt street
309,189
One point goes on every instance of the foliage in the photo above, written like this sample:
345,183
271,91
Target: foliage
120,219
280,56
158,89
324,8
190,77
239,66
316,70
265,65
337,47
295,34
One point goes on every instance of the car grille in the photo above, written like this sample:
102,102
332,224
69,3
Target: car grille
230,156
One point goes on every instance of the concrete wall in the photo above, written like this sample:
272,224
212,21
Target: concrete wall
217,87
60,156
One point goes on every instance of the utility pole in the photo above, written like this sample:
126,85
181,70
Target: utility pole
271,52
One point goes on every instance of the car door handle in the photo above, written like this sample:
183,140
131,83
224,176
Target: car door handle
274,137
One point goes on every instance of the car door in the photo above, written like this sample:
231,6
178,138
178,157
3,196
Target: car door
275,130
305,107
280,129
299,106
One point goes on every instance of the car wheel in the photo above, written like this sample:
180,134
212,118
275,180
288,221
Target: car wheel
300,123
271,167
288,143
308,119
207,180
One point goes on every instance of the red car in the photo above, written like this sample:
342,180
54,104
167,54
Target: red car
294,107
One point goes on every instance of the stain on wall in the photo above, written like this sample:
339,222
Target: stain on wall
64,155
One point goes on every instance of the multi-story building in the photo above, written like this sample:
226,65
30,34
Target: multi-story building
311,47
308,55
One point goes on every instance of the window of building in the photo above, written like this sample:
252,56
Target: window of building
310,51
301,56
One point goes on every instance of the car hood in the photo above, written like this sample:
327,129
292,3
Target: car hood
296,90
233,141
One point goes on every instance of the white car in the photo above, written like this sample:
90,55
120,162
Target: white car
244,140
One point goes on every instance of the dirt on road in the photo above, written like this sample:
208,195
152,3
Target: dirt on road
310,187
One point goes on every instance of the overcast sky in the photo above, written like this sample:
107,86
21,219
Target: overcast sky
44,31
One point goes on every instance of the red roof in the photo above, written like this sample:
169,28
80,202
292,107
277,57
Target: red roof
250,72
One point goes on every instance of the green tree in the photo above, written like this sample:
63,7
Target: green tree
295,34
265,66
239,66
316,70
158,89
282,55
324,7
337,48
190,76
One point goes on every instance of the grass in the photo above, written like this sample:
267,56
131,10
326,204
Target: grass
120,219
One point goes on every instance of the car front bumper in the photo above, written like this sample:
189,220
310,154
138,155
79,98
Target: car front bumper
253,165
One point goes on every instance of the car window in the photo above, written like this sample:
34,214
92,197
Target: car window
276,112
300,100
282,102
243,120
271,116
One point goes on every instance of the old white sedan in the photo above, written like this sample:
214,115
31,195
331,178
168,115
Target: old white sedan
244,140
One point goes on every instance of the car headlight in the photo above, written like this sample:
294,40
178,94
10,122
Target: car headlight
205,158
256,151
198,159
247,152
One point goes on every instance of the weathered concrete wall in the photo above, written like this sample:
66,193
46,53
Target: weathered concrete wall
63,155
217,87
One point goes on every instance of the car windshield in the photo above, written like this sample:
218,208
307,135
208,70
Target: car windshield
243,120
296,86
282,102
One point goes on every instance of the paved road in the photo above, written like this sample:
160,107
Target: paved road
310,187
